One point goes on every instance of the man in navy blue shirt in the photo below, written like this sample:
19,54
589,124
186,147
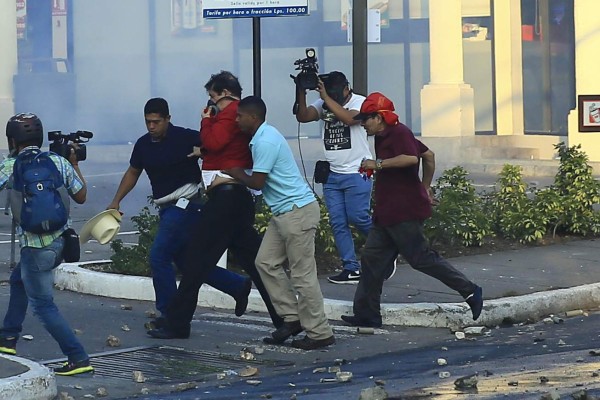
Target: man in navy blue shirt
175,178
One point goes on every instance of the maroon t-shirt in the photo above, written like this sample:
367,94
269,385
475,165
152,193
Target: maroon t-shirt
399,193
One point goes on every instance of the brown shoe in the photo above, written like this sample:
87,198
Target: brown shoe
307,343
282,333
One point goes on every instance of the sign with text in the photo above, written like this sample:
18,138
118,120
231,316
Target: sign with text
253,8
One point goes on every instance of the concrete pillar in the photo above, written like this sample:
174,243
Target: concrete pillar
447,107
508,52
587,43
8,65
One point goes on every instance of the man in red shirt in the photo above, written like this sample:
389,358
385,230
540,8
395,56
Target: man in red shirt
402,203
227,218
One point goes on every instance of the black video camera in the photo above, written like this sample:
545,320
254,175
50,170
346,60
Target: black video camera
60,143
308,77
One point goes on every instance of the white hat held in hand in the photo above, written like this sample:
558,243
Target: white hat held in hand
103,227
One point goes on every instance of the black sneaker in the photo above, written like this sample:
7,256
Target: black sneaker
8,345
475,301
346,277
73,368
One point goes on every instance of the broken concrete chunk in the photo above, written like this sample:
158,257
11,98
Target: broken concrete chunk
343,376
319,370
138,377
441,361
444,374
253,382
374,393
113,341
126,307
466,382
474,330
182,387
459,335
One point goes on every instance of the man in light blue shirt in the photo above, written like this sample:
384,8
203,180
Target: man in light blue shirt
290,234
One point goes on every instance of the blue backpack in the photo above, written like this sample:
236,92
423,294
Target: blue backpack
39,199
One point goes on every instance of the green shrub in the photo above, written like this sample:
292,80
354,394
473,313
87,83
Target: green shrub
134,260
459,218
515,216
578,191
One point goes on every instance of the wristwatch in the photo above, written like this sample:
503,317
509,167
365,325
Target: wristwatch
378,164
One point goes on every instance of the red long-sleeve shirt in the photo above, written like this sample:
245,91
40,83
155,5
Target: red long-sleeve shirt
225,146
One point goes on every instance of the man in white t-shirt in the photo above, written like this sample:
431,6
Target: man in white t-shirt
347,193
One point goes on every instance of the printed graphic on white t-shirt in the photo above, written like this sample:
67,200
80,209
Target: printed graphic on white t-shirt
345,146
337,136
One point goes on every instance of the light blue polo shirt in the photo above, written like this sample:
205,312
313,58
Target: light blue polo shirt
284,187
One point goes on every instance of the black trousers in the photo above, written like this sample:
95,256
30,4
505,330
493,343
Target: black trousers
381,249
227,222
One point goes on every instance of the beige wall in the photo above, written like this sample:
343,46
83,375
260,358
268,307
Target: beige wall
587,45
8,64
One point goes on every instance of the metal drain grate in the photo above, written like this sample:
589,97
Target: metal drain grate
164,364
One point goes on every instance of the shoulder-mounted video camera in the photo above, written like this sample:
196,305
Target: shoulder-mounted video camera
308,77
61,146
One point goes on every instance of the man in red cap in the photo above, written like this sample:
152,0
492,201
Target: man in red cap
402,203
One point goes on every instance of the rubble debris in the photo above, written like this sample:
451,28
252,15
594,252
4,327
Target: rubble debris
150,313
138,377
65,396
113,341
125,328
319,370
459,335
474,330
259,350
182,387
444,374
544,379
327,380
334,369
573,313
248,371
126,307
343,376
101,392
441,361
27,337
374,393
466,382
247,355
339,361
513,383
550,396
253,382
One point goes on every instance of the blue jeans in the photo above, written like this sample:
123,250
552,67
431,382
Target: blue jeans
347,197
169,248
32,281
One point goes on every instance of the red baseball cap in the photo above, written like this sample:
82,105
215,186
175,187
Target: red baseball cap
377,103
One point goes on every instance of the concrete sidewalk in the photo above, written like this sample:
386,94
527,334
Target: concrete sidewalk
518,285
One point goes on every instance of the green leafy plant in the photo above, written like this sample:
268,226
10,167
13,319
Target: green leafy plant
459,218
515,215
134,260
578,191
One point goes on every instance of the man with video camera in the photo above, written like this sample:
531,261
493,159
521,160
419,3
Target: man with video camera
41,184
347,194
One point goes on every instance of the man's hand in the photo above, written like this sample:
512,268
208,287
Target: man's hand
432,200
236,173
114,205
72,154
196,152
368,164
322,91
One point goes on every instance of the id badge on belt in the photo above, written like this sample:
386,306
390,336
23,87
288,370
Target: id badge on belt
182,203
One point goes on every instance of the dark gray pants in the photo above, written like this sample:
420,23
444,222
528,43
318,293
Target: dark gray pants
381,249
